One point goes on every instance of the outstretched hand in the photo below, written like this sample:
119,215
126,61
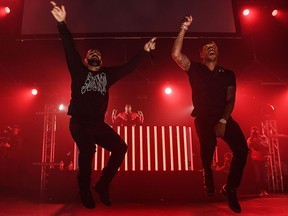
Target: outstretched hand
187,20
59,13
150,45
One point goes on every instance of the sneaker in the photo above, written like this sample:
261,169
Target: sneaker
87,200
103,191
231,198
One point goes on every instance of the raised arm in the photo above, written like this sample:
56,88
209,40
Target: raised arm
59,13
181,59
141,117
74,60
114,116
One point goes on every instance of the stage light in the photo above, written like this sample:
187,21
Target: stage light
275,12
246,12
61,107
34,92
168,90
7,10
4,11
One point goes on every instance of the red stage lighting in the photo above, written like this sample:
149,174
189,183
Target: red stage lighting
61,107
168,91
34,92
4,11
7,10
275,12
246,12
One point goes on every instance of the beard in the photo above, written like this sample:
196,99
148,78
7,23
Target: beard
94,62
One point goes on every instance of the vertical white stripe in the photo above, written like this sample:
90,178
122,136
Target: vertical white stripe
126,141
156,148
141,147
185,148
148,149
103,158
163,148
96,159
178,148
133,148
171,148
119,132
191,149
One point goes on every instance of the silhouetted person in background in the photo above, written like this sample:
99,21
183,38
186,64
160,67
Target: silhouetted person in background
89,100
128,117
213,95
11,154
258,145
226,164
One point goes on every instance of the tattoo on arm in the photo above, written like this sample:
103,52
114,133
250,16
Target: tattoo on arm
181,59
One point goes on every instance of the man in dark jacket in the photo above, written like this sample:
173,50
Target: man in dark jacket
88,105
213,95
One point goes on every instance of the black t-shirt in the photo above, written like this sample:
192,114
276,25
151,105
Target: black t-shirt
89,89
209,89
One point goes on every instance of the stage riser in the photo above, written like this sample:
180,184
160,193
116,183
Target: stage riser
150,148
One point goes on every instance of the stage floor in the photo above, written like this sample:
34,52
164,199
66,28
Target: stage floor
269,205
136,194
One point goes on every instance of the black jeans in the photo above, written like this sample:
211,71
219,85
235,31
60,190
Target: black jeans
86,135
234,137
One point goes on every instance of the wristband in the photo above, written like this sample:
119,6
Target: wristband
224,121
184,27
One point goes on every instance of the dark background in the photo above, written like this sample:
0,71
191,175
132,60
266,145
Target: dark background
257,54
99,17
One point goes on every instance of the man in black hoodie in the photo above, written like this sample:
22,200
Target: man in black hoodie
88,105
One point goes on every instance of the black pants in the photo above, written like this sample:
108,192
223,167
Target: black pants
86,135
234,137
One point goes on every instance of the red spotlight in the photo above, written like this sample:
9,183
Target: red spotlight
7,10
246,12
4,11
168,90
34,92
275,12
62,107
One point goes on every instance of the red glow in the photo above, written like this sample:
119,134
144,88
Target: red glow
246,12
4,11
7,10
168,90
275,12
61,107
34,91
